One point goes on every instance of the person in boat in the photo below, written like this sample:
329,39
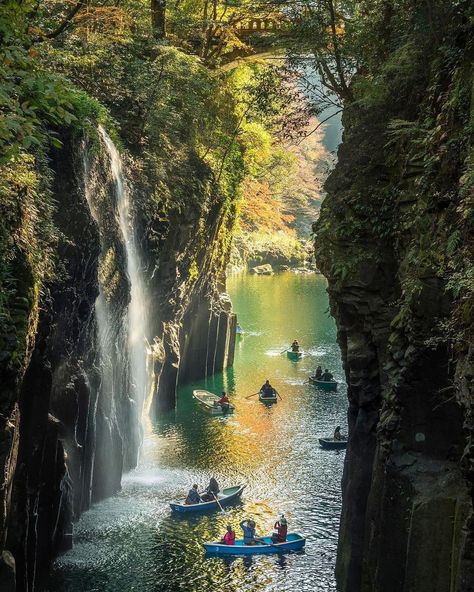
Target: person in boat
267,390
193,496
318,373
327,376
248,529
229,537
337,434
281,530
295,346
224,401
211,490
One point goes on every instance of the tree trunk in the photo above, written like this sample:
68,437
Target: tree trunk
158,18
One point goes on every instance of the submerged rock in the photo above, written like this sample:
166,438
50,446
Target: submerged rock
265,269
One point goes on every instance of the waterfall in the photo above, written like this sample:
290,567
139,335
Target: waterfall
137,305
121,334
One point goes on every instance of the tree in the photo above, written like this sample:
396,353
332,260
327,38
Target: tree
158,18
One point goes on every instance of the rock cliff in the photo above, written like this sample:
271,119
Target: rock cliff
70,400
395,242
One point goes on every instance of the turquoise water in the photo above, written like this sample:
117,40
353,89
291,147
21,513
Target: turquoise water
132,542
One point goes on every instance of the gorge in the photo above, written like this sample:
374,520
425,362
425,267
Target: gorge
132,148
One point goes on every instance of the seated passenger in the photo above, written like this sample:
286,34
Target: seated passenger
337,434
281,527
229,537
248,529
319,373
327,376
193,496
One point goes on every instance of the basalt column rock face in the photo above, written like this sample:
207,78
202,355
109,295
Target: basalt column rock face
75,435
395,243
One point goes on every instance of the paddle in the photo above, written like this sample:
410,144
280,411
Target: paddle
253,395
281,398
218,502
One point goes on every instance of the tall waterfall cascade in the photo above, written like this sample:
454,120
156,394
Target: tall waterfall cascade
133,333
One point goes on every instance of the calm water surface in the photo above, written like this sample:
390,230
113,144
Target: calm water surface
132,543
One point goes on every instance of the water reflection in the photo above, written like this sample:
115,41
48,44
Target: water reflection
132,542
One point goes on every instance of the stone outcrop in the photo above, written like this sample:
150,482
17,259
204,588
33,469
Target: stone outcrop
398,285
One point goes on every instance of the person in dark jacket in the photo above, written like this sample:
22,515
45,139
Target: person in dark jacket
327,376
193,496
319,373
267,390
295,346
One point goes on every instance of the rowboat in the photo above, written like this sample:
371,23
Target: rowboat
331,444
208,401
226,496
294,355
294,542
268,399
325,385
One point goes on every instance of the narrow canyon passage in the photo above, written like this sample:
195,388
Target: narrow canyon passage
131,541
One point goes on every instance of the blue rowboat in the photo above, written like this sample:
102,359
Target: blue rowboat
331,444
294,355
294,542
226,496
325,385
265,399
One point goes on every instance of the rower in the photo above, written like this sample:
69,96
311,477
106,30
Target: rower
211,490
295,346
318,373
224,401
337,434
193,496
267,390
327,376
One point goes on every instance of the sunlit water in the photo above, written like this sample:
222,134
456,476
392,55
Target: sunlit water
132,543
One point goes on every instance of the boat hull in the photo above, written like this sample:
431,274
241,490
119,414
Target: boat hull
292,355
206,401
331,444
325,385
232,495
294,542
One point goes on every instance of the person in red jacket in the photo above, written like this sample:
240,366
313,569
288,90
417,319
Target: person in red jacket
229,537
281,527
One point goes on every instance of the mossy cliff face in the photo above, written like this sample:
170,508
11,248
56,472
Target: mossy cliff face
395,242
69,423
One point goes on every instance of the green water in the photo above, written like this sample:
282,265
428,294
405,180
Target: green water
132,542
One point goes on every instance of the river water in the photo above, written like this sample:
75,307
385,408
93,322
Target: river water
132,543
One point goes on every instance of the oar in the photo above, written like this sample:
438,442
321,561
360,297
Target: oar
218,502
286,349
281,399
253,395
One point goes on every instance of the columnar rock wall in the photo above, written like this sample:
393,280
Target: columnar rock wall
395,243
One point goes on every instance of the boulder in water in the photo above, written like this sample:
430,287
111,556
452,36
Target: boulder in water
265,269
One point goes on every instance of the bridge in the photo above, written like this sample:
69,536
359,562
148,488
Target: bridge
257,26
